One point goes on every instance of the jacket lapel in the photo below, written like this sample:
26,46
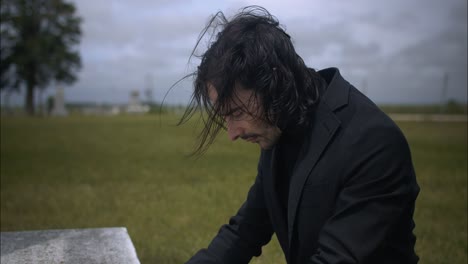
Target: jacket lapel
270,174
321,134
324,127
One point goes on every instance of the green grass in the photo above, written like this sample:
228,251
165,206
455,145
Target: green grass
450,108
132,171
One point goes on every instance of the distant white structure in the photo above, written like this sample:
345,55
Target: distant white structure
59,103
134,106
115,110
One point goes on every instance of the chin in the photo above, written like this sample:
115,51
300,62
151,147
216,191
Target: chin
266,146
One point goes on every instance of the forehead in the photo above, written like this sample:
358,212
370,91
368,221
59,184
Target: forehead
240,95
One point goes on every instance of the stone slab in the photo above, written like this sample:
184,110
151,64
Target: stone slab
70,246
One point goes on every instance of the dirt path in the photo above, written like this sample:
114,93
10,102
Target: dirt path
429,117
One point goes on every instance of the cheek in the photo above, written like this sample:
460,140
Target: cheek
238,124
273,134
267,128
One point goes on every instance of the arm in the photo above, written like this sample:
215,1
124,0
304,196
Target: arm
376,200
247,231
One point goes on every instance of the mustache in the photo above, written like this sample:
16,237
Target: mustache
250,135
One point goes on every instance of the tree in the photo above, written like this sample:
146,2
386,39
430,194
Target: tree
38,45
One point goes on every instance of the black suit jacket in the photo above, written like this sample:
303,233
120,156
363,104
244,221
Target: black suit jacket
351,196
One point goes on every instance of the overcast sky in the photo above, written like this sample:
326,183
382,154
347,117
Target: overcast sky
395,51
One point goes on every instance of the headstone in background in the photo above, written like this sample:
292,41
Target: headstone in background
59,103
135,106
71,246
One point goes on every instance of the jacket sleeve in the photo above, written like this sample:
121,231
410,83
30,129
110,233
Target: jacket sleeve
245,234
378,190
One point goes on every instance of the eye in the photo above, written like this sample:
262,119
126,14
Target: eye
238,113
235,113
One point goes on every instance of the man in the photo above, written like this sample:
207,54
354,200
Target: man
335,179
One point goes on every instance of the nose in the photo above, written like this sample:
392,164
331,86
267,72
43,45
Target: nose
233,129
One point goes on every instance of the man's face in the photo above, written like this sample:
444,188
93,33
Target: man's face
245,120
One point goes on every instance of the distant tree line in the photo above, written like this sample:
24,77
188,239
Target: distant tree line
38,45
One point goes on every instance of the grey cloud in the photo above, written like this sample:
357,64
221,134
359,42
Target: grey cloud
126,40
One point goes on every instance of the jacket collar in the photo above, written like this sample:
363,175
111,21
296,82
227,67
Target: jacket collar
320,133
324,126
337,92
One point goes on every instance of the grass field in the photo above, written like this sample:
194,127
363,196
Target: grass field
82,172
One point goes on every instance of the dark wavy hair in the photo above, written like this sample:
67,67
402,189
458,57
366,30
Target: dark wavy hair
252,50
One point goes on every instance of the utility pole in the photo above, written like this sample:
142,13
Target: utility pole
443,95
149,88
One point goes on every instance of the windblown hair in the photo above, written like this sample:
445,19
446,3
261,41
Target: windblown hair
253,51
